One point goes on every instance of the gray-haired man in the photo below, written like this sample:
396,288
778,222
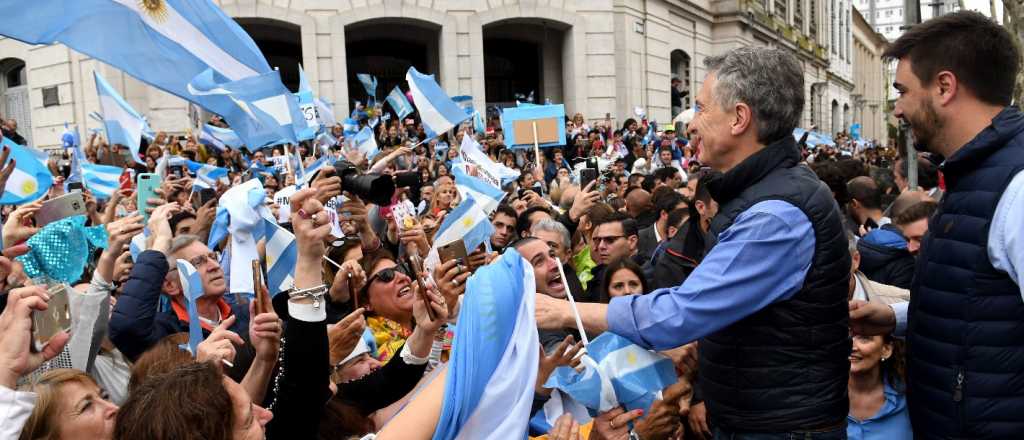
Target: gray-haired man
768,301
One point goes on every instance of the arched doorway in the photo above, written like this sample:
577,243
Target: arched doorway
523,57
681,69
835,118
846,117
281,44
386,48
14,101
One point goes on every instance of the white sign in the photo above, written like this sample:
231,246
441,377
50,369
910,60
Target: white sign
283,200
311,114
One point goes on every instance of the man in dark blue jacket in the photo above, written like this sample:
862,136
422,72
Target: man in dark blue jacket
138,323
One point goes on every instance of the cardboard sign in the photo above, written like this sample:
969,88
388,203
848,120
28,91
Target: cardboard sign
518,125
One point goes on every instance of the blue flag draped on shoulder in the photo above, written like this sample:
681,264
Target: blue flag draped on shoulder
437,111
399,103
162,43
30,179
102,180
260,109
489,386
124,125
192,287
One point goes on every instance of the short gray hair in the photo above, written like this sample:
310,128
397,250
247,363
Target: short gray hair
550,225
182,241
770,81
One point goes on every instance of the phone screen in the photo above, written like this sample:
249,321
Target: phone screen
56,318
587,175
147,186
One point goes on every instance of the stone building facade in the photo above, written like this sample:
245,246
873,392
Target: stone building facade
871,80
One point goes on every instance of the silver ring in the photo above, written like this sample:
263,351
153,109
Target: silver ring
455,281
313,217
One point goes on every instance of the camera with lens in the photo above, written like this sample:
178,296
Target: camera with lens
372,188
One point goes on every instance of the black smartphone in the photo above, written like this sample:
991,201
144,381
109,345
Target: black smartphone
870,224
75,186
587,175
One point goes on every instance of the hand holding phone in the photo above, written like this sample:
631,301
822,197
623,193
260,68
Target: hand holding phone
147,186
416,267
59,208
56,318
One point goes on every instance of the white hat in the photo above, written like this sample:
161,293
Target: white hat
361,348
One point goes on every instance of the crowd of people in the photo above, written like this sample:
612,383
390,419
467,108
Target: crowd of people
800,292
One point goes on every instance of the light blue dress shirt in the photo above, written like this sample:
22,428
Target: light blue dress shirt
1005,242
892,422
762,258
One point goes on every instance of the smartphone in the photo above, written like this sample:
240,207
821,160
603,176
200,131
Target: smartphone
59,208
147,186
205,195
587,175
455,250
73,186
257,287
416,269
870,224
56,318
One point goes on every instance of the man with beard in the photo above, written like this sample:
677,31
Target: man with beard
549,282
965,324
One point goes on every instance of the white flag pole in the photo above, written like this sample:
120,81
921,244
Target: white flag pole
572,303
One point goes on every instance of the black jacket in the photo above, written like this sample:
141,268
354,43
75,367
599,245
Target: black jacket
785,367
884,257
681,256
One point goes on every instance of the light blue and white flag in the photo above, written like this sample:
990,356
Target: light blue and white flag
70,141
206,175
366,143
617,372
496,174
192,287
138,243
325,113
478,123
489,385
241,212
260,109
307,106
464,101
124,125
350,128
30,180
559,403
437,111
370,84
310,171
281,256
162,43
399,103
467,222
220,138
102,180
488,196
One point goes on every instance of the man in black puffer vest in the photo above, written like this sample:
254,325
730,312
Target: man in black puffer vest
965,325
768,301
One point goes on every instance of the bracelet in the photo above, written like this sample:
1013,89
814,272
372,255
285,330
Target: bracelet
314,293
633,435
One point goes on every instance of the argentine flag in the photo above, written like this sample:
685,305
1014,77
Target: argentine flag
102,180
30,180
163,43
350,128
124,125
281,256
206,174
489,387
192,287
370,84
437,111
325,113
220,138
366,143
617,372
259,108
467,222
399,103
490,171
310,171
308,108
485,194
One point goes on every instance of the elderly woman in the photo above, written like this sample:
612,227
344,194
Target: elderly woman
69,406
878,406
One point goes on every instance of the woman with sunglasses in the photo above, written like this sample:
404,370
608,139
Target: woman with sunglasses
388,297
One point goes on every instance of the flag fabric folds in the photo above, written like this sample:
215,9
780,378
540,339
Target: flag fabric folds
370,84
398,103
30,179
350,128
366,143
490,171
489,386
437,111
102,180
241,212
220,138
467,222
617,372
325,113
260,109
281,256
163,43
488,196
124,125
206,175
307,106
192,287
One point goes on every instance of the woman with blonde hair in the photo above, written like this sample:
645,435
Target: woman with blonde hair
69,406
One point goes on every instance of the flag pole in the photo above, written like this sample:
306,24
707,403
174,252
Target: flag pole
572,302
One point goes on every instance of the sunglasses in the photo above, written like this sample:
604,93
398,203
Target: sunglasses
385,276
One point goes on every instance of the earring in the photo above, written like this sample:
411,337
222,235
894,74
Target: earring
884,359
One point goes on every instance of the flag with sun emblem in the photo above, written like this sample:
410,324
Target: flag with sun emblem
30,179
164,43
468,222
